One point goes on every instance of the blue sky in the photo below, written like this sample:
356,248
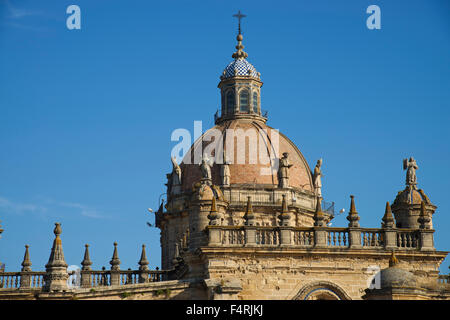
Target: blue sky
86,115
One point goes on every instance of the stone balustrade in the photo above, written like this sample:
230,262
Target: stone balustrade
444,279
329,237
56,271
372,238
27,279
408,239
267,236
90,278
9,279
302,237
265,197
232,236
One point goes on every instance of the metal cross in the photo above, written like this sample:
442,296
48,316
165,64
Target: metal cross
239,15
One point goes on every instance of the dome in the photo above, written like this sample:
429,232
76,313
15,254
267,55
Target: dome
411,196
251,171
394,276
240,67
206,192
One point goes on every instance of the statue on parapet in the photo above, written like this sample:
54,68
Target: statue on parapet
174,178
410,166
283,171
317,178
205,168
225,171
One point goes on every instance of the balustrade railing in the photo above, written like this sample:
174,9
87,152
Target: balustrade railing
126,277
129,277
303,237
10,280
258,198
337,238
97,278
267,236
232,237
267,197
407,239
379,239
444,279
372,238
35,279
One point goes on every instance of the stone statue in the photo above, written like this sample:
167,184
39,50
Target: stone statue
225,172
205,167
175,177
317,178
283,171
410,166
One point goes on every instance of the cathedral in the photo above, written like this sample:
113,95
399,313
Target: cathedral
245,219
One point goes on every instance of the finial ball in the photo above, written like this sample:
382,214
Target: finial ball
57,231
239,37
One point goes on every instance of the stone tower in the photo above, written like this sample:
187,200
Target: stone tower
407,205
260,163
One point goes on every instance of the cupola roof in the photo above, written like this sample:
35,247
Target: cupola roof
239,66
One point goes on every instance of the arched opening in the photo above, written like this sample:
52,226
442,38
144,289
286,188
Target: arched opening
243,101
322,290
322,294
255,102
230,102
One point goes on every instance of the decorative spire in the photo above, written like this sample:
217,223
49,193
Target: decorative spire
26,264
143,262
423,219
213,205
352,204
86,263
57,255
318,215
353,214
388,219
284,216
239,54
115,262
213,215
393,261
249,215
56,275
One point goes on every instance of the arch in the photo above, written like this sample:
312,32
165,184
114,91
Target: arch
244,103
322,290
230,102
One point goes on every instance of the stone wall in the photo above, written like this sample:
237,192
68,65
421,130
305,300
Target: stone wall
294,274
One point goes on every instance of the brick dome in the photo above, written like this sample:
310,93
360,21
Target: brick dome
251,171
